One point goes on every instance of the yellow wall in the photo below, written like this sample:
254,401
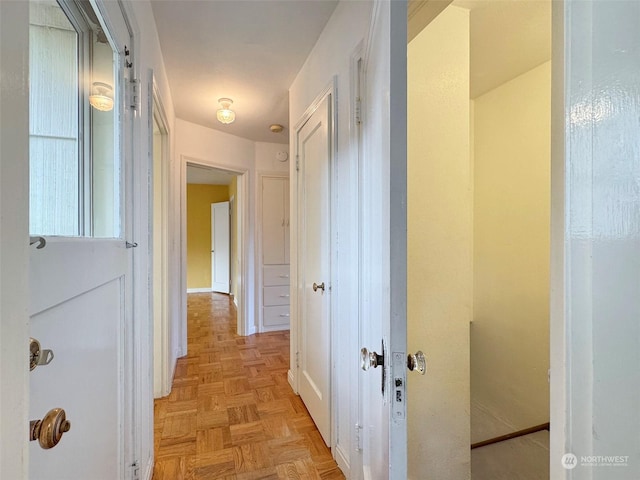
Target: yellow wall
440,240
199,200
233,192
510,331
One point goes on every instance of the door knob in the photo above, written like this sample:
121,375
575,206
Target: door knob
370,359
37,356
317,287
50,429
416,362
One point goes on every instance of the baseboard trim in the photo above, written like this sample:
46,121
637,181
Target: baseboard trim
342,461
292,381
148,473
199,290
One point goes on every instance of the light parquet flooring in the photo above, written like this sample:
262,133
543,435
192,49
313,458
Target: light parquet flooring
231,413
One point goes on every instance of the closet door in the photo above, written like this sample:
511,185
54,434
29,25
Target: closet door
273,221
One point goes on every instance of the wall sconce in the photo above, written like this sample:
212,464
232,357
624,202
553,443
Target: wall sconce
101,97
225,114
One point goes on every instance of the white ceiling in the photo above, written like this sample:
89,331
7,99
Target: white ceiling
246,50
208,176
508,38
251,50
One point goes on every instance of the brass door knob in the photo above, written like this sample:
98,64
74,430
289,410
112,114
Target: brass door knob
50,429
317,287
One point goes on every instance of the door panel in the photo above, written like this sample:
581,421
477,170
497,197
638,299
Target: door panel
81,288
84,379
440,241
313,144
220,247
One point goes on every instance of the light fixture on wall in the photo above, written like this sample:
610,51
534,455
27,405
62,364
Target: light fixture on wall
101,97
225,114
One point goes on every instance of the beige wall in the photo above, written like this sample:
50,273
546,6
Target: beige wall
510,334
440,242
199,200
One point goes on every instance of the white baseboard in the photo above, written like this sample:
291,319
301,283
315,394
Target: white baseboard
342,461
199,290
251,330
277,328
292,381
148,471
235,301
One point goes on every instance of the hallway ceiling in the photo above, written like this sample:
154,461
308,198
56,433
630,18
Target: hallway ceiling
246,50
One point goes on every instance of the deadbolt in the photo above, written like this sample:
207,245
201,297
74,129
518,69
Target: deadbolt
316,286
50,429
37,356
416,362
370,359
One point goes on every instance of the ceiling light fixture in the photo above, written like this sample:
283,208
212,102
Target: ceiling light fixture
276,128
101,97
225,114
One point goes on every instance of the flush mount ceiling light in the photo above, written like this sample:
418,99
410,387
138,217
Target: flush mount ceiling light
101,97
276,128
225,114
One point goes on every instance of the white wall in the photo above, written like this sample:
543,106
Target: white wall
330,57
205,146
510,330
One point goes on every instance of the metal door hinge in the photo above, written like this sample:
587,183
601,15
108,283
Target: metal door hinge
127,57
133,94
358,111
135,471
297,359
358,438
297,163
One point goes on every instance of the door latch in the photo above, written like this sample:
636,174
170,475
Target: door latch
416,362
38,356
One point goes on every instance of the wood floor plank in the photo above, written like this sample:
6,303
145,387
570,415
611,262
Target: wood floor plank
231,413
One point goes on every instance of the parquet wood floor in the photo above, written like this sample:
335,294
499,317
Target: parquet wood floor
231,413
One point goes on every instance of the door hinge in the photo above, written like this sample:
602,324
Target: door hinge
358,438
297,163
358,111
135,474
133,94
297,359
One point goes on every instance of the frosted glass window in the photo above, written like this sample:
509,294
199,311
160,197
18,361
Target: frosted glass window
74,166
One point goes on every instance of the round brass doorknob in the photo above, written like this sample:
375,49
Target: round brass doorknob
317,287
50,429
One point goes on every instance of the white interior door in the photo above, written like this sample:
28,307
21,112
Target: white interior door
220,247
313,144
81,281
415,290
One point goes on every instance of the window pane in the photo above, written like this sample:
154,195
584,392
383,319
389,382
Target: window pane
105,172
53,117
74,161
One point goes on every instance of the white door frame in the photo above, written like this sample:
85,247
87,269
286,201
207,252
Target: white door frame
242,205
162,374
295,236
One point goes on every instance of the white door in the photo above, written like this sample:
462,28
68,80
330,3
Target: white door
313,146
413,426
220,247
81,281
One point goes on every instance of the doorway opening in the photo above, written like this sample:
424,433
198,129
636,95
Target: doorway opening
479,110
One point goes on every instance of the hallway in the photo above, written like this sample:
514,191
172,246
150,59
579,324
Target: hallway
231,413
